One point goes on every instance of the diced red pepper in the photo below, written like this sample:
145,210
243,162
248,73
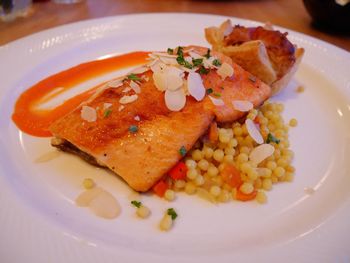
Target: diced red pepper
246,197
160,188
178,172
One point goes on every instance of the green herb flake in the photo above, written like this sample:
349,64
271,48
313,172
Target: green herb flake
203,71
181,61
209,91
170,51
133,128
180,52
171,212
217,63
137,204
132,76
197,62
252,78
271,138
208,53
217,94
107,113
183,151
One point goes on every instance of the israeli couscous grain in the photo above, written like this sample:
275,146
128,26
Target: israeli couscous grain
206,162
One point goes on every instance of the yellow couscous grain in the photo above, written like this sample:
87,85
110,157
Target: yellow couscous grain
206,162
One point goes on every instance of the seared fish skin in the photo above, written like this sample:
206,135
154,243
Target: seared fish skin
140,141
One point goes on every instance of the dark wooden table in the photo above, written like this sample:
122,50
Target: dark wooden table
286,13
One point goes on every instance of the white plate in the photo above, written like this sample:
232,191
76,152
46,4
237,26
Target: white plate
40,223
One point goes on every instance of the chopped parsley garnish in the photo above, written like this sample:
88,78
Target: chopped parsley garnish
252,78
197,62
209,91
183,62
203,71
170,51
271,138
133,128
208,53
136,203
183,151
217,63
132,76
171,212
217,94
107,113
180,53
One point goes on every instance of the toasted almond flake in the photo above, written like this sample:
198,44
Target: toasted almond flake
139,70
88,113
226,27
195,55
135,86
152,62
242,105
169,61
159,79
128,99
127,89
253,131
217,102
175,100
163,54
158,66
173,81
195,86
261,152
225,70
121,107
115,83
137,118
107,105
146,79
208,62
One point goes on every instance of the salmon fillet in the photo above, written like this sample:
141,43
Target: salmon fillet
140,141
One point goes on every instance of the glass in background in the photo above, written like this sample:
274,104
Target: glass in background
11,9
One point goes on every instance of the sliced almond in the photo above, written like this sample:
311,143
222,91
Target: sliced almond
261,152
169,61
194,55
128,99
163,54
242,105
217,102
159,79
137,118
139,70
115,83
127,89
107,105
135,86
253,131
225,70
88,114
195,86
175,100
121,107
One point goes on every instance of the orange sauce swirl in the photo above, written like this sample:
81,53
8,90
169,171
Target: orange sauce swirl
34,121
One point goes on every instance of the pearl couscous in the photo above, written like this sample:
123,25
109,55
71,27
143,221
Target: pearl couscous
228,169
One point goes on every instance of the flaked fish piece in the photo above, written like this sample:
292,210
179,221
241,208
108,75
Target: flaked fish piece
141,143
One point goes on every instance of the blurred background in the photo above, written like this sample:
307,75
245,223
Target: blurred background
328,20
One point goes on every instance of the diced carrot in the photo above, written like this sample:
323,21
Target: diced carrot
213,132
178,172
231,175
257,120
160,188
246,197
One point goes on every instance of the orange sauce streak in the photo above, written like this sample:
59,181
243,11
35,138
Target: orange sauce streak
36,122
